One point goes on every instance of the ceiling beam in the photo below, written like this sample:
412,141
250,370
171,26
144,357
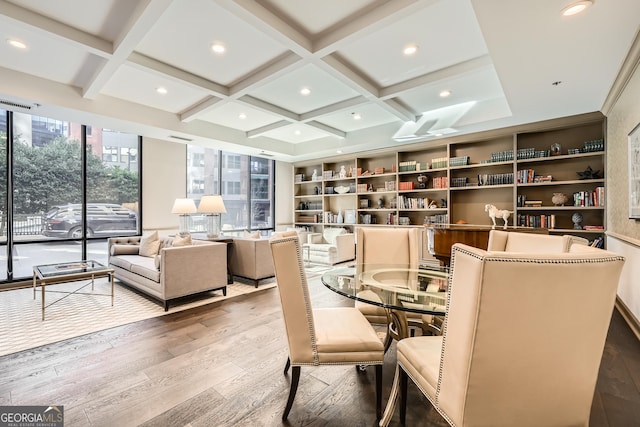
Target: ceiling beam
49,27
333,108
328,129
264,129
195,111
142,20
270,108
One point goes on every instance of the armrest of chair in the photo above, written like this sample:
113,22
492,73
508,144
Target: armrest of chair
314,238
189,269
346,245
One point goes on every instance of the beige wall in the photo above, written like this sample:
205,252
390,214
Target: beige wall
164,179
623,234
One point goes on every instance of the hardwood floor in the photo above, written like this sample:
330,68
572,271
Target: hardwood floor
221,365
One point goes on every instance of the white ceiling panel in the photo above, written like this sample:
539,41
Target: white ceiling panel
285,91
239,116
183,37
297,133
446,33
137,86
370,115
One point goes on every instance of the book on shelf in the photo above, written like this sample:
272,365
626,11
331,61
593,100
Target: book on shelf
532,203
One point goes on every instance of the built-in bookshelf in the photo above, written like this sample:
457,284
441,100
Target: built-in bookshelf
519,169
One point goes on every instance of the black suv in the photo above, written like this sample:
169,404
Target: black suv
102,219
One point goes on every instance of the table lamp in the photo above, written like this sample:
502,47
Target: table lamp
212,206
184,207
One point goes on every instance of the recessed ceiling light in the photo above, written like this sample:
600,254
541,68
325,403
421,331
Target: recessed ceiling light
17,43
161,90
339,151
576,7
356,116
410,50
445,93
305,91
297,132
242,116
218,47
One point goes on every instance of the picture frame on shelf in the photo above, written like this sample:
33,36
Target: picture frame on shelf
634,172
350,216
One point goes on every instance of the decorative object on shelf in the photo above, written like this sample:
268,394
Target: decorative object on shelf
380,203
370,189
340,218
589,174
422,181
343,172
497,213
577,221
559,199
443,203
433,205
316,190
314,177
394,203
350,216
184,207
555,149
212,206
341,189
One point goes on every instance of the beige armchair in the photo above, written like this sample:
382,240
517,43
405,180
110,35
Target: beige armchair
316,337
494,366
388,246
531,242
251,259
333,246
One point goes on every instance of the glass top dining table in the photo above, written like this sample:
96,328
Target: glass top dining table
417,289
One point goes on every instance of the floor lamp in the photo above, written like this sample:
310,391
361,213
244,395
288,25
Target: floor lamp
184,207
212,206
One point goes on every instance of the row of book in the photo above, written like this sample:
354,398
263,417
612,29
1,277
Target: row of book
589,198
536,221
413,202
437,220
412,165
529,175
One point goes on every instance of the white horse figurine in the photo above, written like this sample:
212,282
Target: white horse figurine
497,213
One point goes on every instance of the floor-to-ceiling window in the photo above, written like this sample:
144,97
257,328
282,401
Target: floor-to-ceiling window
67,195
245,182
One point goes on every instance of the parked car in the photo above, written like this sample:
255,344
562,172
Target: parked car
104,219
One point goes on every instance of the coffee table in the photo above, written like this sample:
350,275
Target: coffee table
50,274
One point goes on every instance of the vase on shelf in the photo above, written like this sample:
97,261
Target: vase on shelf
340,219
559,199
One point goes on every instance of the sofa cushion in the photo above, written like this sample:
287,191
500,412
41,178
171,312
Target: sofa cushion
124,249
182,240
123,261
146,268
149,245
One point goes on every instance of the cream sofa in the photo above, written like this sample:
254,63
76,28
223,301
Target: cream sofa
251,259
175,272
333,246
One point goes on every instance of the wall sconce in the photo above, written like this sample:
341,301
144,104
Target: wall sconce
212,206
184,207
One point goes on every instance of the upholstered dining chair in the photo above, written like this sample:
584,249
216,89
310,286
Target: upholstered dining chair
388,246
493,366
322,336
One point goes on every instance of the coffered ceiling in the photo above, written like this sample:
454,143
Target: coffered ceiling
503,62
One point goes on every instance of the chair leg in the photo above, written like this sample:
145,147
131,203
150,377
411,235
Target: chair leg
295,378
378,392
286,366
387,342
403,395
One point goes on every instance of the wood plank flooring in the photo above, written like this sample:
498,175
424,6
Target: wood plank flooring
221,365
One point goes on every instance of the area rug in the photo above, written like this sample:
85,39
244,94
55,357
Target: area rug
22,327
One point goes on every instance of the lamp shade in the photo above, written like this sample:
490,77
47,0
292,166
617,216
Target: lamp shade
211,204
184,206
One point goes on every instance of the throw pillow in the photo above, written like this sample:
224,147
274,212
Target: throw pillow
247,235
157,261
182,240
124,249
150,245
